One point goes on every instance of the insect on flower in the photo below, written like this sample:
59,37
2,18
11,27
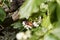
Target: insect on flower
27,24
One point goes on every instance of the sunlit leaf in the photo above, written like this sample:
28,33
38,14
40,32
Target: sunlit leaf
46,22
58,1
29,7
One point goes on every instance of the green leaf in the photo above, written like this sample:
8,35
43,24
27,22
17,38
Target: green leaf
2,14
57,24
56,32
46,22
29,7
50,37
52,11
58,12
6,2
58,1
36,33
51,7
17,25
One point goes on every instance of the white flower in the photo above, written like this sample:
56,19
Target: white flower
28,33
27,26
23,36
19,35
35,24
23,23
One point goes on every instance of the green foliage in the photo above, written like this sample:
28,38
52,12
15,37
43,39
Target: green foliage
17,25
37,33
48,30
2,14
29,7
6,2
46,24
50,37
56,32
50,18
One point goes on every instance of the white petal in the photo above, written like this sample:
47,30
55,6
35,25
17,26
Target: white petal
25,37
19,35
27,26
28,33
23,23
35,24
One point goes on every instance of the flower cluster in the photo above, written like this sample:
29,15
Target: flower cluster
29,24
23,36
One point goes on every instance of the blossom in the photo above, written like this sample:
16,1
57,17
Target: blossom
23,36
35,24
